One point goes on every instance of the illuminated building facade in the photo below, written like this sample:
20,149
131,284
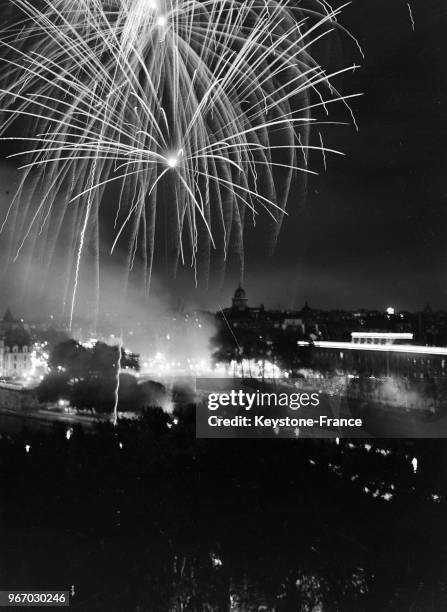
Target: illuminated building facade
15,360
380,354
15,348
381,338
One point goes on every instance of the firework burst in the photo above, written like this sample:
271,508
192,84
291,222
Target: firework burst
199,110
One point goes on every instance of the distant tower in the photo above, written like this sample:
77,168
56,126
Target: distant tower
240,301
8,317
306,310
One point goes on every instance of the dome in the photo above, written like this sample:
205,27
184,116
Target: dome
240,294
240,301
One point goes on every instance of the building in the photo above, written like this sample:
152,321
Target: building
379,354
15,347
259,319
381,338
362,342
240,300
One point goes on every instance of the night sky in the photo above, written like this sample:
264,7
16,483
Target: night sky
372,231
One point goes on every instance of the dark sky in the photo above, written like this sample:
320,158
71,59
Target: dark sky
372,232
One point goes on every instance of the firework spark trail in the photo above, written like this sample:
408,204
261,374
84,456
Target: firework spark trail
322,150
81,247
117,384
180,100
411,15
230,329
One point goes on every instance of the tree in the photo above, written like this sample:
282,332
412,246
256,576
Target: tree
52,337
70,357
53,387
86,377
224,345
100,360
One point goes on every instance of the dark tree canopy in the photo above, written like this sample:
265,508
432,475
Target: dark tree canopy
278,344
100,360
87,378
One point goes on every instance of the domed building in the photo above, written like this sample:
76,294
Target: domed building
240,301
259,319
